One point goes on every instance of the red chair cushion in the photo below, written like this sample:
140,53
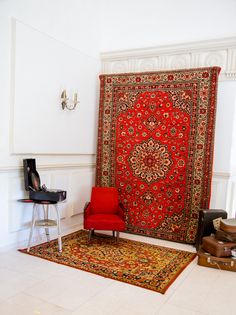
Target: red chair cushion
104,200
104,222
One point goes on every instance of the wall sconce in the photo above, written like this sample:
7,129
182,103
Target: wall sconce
67,103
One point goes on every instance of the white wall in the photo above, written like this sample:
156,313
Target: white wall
225,121
90,27
130,24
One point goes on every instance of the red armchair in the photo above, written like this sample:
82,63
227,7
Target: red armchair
104,212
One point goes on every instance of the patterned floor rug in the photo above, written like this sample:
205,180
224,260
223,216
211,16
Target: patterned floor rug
141,264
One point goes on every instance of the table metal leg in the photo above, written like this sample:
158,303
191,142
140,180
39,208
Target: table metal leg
46,215
32,225
58,228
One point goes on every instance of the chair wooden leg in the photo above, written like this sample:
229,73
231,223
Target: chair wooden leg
113,233
117,236
91,232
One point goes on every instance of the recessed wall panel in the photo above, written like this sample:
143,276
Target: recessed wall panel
42,67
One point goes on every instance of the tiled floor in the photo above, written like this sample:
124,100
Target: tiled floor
32,286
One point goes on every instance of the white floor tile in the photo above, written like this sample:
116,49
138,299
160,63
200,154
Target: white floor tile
192,292
12,309
25,304
69,291
126,310
121,298
13,282
219,299
92,309
176,310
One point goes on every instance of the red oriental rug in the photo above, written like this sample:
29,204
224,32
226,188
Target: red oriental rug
155,144
148,266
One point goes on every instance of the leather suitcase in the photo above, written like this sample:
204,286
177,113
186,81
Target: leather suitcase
217,248
205,223
207,260
228,225
225,236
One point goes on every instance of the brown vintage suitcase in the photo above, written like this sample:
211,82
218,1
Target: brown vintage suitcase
225,236
217,248
207,260
228,225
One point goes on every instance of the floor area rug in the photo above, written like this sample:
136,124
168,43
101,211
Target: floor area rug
137,263
155,144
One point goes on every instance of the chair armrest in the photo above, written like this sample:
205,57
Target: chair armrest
121,211
86,205
87,209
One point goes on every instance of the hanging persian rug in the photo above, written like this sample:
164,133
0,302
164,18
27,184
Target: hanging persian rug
155,144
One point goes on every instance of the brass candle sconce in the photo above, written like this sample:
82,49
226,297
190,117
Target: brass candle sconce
67,103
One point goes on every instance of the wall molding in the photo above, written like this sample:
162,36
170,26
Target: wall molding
48,167
224,175
10,168
217,52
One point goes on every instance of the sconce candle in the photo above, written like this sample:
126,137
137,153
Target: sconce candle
75,97
66,103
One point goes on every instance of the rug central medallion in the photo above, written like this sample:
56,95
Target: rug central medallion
150,161
155,144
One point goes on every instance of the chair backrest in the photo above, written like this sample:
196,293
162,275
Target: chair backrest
104,200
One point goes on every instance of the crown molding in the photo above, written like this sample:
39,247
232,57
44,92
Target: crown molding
217,52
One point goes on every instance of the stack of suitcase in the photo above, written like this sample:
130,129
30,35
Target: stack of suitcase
217,250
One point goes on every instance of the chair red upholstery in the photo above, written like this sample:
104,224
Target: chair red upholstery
104,212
